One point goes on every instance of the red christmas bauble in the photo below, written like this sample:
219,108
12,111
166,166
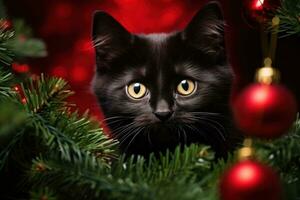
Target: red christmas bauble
6,24
265,111
20,68
250,180
259,10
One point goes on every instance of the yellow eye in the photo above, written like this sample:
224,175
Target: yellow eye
136,90
186,87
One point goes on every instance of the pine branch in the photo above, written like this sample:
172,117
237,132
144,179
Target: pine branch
180,162
284,155
289,14
7,150
5,80
58,141
46,98
2,10
18,43
85,133
84,175
89,180
6,53
48,114
28,120
42,194
45,95
50,127
11,116
23,44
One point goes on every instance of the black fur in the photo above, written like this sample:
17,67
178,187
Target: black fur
161,61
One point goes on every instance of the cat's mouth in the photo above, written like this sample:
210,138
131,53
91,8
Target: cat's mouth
159,127
160,124
154,121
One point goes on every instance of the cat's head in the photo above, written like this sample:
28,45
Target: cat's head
159,90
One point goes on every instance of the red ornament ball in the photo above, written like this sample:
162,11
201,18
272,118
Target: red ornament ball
265,111
6,24
250,180
259,10
20,68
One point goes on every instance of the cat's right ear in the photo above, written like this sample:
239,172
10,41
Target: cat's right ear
110,38
206,31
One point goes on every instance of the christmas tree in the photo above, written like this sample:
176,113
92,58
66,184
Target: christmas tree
50,151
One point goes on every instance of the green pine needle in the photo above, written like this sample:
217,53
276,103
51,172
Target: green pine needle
289,14
5,80
42,194
6,53
13,47
45,94
155,179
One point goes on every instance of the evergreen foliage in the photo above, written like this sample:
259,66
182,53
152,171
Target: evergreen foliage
49,151
289,14
17,43
5,51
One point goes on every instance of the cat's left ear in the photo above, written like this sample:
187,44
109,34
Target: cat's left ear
110,39
205,32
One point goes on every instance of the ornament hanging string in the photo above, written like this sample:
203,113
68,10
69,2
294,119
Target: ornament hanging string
274,36
269,51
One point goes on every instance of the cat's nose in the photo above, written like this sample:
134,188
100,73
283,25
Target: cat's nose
164,115
162,110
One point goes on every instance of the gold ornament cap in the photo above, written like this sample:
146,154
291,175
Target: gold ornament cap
247,151
267,74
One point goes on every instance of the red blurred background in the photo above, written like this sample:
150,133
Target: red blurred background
65,26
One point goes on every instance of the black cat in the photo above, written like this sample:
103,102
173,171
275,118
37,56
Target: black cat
161,90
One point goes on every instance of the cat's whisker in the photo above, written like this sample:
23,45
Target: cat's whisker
147,131
127,134
192,127
196,130
115,121
120,128
123,132
208,114
216,128
176,129
205,113
185,137
200,131
136,134
123,129
114,117
209,122
99,41
214,122
184,134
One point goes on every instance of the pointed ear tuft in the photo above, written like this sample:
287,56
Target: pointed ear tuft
206,30
110,38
